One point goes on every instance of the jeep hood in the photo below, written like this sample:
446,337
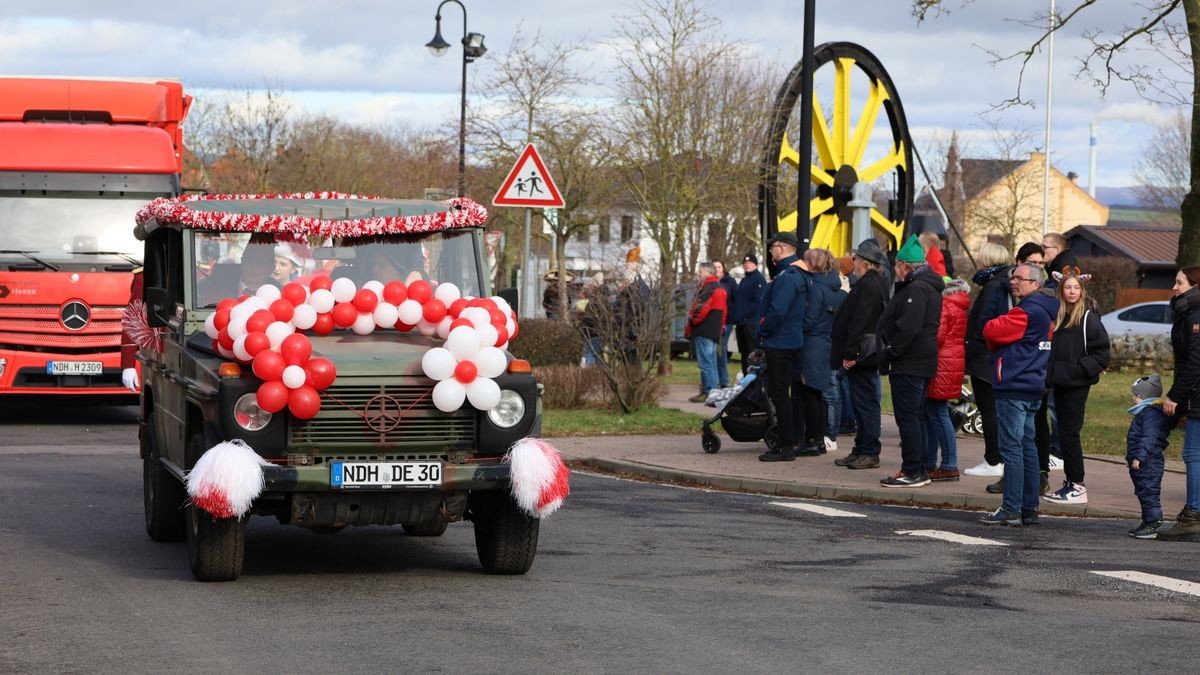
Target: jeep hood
384,353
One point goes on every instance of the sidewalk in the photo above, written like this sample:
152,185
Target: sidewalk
680,459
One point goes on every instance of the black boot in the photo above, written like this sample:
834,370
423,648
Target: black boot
1186,528
996,488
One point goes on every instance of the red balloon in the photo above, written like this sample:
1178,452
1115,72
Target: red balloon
502,335
221,318
272,396
497,317
365,301
344,314
457,307
282,310
488,304
304,402
224,339
256,342
475,302
268,365
465,371
434,310
320,283
324,324
321,372
404,327
258,321
296,349
516,329
420,290
227,305
460,322
395,292
293,293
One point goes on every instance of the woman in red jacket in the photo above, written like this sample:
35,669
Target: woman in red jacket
946,385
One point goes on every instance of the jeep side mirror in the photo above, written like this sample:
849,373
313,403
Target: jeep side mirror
511,296
157,302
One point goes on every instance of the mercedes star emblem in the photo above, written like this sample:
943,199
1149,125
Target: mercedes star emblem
382,413
74,315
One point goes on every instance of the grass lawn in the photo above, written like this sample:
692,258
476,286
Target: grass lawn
602,422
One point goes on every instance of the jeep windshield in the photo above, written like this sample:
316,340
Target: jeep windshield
228,264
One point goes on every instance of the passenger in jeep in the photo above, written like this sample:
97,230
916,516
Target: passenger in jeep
232,280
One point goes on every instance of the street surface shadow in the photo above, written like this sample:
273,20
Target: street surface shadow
66,410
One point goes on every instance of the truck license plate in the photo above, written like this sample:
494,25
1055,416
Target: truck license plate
385,474
74,367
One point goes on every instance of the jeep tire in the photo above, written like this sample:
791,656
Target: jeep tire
216,546
162,493
505,538
426,529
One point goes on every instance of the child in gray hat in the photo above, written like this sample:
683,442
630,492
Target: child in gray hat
1144,445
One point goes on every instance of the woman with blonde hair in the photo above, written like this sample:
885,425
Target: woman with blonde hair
994,299
1078,354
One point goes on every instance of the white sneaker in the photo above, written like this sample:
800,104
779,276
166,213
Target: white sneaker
985,469
830,444
1056,463
1069,493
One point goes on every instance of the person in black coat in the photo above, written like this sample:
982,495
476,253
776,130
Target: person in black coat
743,309
853,331
1184,396
1057,256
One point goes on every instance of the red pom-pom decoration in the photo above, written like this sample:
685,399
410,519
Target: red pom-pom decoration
465,371
296,349
268,365
344,314
272,396
434,310
420,291
395,292
320,283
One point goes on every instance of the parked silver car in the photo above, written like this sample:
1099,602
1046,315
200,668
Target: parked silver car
1144,318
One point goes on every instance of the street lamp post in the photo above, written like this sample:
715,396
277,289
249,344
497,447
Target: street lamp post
472,49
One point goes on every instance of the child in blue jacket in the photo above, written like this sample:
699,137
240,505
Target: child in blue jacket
1144,445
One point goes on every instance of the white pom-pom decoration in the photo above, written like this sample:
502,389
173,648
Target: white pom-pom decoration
438,364
294,377
322,301
375,287
443,327
210,326
427,329
268,293
463,343
364,324
277,331
490,362
226,479
385,315
239,349
304,317
483,393
449,395
343,290
540,479
409,312
447,293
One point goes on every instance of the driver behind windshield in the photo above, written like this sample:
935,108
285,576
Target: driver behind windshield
257,265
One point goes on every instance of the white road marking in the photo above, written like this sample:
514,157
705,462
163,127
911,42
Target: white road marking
952,537
1177,585
819,510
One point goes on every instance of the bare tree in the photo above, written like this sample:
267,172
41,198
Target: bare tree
1162,167
255,128
1011,207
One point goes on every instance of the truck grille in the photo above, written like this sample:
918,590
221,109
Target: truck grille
36,327
403,417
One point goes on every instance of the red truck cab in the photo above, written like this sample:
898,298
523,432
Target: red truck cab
78,158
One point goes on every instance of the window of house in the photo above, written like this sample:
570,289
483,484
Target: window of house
626,228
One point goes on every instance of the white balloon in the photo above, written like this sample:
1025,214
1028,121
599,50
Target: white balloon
502,304
385,315
343,290
443,327
322,301
510,326
491,362
225,352
237,329
364,324
427,329
447,293
483,393
210,326
487,335
268,293
438,363
463,343
294,377
449,394
239,349
240,311
409,312
304,317
256,303
277,331
374,286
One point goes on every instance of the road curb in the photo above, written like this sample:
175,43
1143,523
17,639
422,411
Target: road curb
895,496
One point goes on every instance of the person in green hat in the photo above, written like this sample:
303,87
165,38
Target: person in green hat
907,332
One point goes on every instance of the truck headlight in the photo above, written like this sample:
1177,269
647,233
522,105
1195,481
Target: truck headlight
248,415
508,411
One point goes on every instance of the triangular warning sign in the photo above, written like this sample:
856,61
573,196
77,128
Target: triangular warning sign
529,184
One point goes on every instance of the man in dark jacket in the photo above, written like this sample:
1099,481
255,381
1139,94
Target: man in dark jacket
781,335
730,285
1020,346
853,329
706,321
1056,256
744,312
908,338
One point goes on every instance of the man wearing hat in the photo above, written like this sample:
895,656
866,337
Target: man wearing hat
855,350
744,313
907,336
781,335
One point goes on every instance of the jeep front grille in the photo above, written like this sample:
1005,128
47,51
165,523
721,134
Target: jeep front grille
403,417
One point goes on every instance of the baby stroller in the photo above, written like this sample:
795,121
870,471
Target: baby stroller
748,416
964,413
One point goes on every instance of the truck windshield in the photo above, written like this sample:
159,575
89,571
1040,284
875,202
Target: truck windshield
228,264
60,225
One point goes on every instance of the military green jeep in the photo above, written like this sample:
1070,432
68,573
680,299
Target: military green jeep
378,452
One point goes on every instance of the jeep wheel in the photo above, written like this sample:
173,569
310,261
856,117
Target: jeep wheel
216,546
162,494
426,529
505,538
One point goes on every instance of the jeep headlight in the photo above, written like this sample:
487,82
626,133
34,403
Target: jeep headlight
248,415
508,411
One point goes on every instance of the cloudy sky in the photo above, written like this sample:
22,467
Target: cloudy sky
365,60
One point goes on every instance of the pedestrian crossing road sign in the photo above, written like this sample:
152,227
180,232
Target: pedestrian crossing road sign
529,184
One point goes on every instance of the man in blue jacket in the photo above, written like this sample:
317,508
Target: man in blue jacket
781,335
744,312
1020,346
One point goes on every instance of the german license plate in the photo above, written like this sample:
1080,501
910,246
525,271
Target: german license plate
385,474
74,367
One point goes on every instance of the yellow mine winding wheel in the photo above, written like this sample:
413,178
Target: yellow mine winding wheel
852,144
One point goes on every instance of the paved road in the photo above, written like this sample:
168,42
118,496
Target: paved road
629,577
